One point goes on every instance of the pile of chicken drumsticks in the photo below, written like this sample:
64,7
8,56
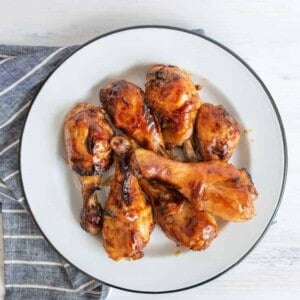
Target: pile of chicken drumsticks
151,185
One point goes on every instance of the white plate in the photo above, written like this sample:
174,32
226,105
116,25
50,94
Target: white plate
55,200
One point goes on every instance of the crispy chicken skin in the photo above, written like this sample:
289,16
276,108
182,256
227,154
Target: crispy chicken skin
87,140
218,133
174,98
91,213
128,220
215,186
125,105
183,223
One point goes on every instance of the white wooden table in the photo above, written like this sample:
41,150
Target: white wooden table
267,35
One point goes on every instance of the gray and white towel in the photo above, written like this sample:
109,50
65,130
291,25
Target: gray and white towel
32,268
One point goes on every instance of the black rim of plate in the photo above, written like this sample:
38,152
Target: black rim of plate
278,119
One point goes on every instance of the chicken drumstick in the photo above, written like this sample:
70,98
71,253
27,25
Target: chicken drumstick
87,140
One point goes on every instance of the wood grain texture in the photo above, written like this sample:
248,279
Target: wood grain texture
266,35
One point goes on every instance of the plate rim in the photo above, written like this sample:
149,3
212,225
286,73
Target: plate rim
275,109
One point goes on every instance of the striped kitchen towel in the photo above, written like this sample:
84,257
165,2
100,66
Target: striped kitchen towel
32,268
